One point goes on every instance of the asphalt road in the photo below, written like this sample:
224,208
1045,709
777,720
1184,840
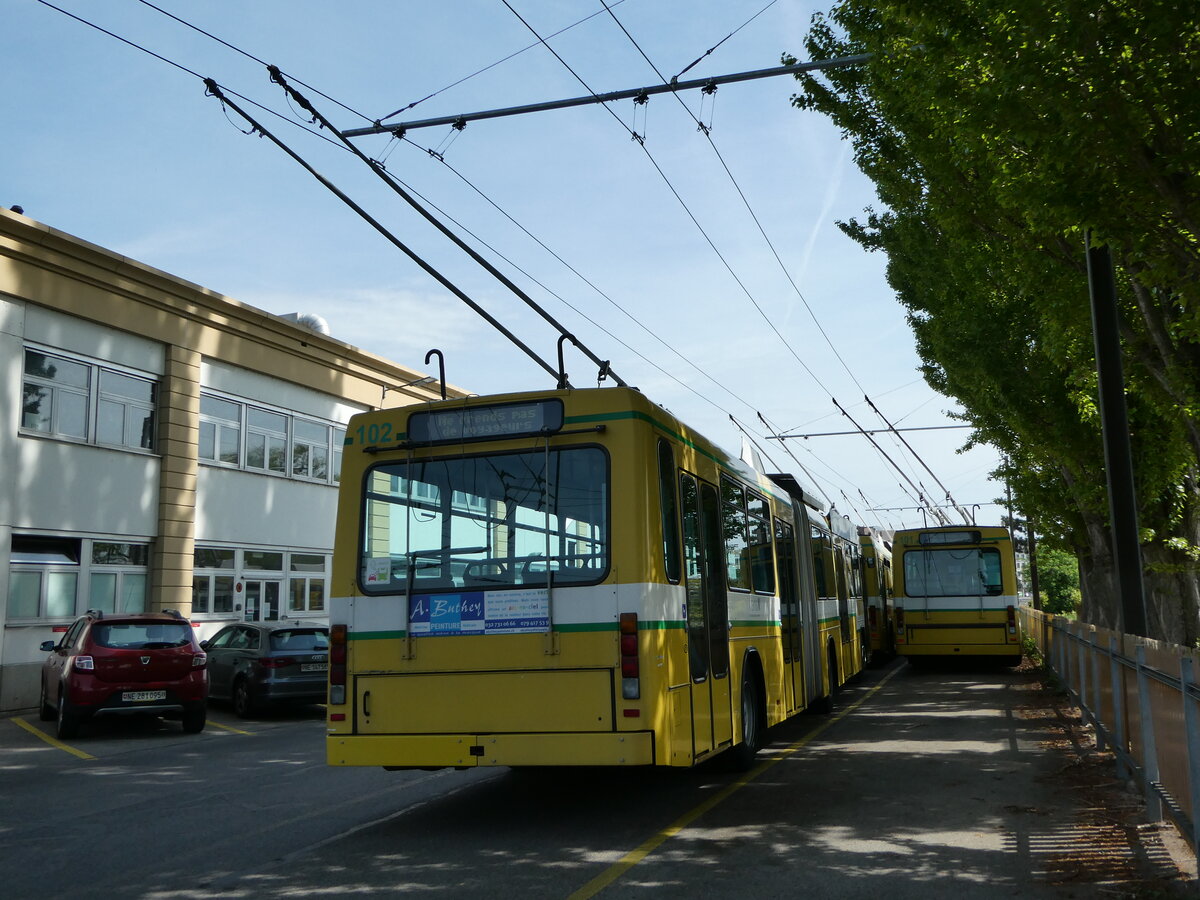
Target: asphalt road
955,783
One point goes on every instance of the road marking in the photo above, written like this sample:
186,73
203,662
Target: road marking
228,727
633,857
53,742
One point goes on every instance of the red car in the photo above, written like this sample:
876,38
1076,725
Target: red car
123,664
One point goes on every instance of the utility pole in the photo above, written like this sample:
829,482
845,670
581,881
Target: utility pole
1114,423
1033,569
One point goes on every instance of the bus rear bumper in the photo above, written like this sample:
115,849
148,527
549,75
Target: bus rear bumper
634,748
958,649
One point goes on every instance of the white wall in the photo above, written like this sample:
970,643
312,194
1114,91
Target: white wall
250,509
61,486
249,385
45,326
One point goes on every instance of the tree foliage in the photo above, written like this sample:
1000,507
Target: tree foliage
997,135
1058,577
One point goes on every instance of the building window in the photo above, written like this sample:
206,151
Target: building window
262,440
306,583
117,583
220,430
310,450
266,441
47,573
85,401
264,574
339,440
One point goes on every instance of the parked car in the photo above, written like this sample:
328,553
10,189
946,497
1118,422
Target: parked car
255,664
123,664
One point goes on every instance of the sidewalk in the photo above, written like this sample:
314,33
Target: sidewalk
1112,845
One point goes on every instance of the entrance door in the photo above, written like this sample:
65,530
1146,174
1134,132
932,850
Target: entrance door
707,616
262,600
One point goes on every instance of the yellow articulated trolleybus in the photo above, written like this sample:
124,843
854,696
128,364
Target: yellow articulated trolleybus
956,593
574,577
877,591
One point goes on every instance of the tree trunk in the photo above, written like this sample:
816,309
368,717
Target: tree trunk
1097,577
1172,595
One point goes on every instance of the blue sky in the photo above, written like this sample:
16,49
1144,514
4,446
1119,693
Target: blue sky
124,150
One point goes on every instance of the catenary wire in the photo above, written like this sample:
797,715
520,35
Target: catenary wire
636,321
901,444
686,208
491,66
248,56
185,69
342,147
310,131
709,51
741,194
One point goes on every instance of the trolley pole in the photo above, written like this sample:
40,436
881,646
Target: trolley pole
1114,423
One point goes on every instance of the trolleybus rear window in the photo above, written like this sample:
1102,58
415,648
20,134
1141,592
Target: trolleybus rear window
489,521
963,572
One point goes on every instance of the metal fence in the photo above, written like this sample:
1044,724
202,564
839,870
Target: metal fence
1143,699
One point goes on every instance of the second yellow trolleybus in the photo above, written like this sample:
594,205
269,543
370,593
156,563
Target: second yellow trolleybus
956,593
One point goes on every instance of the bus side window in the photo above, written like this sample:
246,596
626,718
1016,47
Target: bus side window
669,508
762,569
817,537
734,526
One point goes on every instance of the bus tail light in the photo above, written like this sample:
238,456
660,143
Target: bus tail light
630,670
1012,623
899,624
337,664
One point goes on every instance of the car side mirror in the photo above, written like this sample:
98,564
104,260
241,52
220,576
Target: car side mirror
204,645
49,645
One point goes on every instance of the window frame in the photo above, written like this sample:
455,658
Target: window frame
82,569
93,394
213,425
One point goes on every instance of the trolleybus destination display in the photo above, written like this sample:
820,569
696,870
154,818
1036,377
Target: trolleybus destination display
481,422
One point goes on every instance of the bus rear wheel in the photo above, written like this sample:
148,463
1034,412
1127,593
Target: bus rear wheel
753,725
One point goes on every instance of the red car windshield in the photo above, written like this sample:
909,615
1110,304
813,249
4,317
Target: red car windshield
141,635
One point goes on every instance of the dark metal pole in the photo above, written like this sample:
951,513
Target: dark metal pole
461,119
1118,456
1034,587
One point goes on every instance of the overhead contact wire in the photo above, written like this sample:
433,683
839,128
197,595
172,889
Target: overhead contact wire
382,173
214,90
682,203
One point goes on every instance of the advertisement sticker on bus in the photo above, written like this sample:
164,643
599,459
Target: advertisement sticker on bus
480,612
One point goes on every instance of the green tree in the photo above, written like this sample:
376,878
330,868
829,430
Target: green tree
997,134
1058,577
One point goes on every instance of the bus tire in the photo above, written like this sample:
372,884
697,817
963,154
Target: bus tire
753,723
824,705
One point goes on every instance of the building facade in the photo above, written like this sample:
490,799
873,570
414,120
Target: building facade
161,447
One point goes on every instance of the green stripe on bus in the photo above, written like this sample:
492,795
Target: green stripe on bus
375,635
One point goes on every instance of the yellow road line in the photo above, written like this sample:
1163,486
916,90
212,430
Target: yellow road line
633,857
53,742
228,727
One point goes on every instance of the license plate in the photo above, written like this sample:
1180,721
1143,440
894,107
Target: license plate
314,667
142,696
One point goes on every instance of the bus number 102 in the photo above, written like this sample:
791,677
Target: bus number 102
374,433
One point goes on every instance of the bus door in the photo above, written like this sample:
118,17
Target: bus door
707,615
789,615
